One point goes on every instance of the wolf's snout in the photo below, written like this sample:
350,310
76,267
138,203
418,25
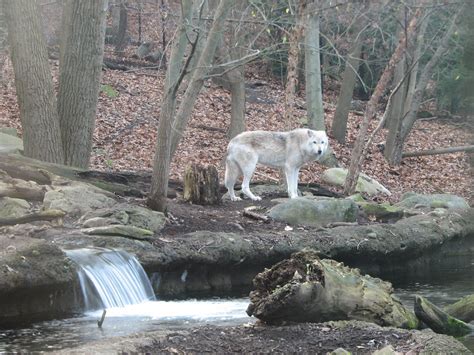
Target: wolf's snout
319,151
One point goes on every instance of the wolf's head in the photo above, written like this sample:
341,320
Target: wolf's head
317,143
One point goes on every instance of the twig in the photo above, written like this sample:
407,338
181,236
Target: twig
99,322
256,216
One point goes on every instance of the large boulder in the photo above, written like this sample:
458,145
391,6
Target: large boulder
366,184
36,279
411,200
13,207
312,212
77,198
10,144
125,214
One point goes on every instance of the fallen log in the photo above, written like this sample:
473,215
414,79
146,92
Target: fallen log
466,148
307,289
440,321
462,309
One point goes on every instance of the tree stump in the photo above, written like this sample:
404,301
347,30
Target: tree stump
201,185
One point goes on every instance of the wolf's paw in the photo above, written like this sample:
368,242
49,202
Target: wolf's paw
256,198
236,198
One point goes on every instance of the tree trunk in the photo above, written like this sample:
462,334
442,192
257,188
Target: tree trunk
199,73
3,40
357,153
466,148
201,185
439,320
403,98
121,34
162,159
425,76
314,94
79,80
294,39
237,94
307,289
339,124
34,85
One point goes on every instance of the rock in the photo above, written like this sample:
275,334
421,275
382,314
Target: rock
311,212
383,212
439,320
388,350
36,280
13,207
77,198
125,214
9,130
366,184
340,351
120,230
462,309
10,144
430,202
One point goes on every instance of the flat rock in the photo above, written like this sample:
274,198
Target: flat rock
430,202
13,207
311,212
10,143
366,184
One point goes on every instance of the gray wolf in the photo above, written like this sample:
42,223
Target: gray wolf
287,150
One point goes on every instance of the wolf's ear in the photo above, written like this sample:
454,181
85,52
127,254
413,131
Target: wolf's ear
310,133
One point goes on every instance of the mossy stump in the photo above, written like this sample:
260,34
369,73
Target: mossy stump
201,185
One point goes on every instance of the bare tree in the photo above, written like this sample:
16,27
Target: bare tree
175,123
401,128
357,153
34,84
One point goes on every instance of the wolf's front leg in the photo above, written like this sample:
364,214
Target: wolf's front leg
292,181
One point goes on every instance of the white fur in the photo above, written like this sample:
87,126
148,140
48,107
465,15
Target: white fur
287,150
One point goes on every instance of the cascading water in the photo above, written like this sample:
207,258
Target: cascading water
110,278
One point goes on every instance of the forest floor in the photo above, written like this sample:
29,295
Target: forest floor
129,109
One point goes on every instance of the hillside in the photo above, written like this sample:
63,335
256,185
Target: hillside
128,113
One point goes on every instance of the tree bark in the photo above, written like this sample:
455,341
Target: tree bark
307,289
357,153
3,40
33,81
201,185
314,92
79,79
121,34
339,124
296,33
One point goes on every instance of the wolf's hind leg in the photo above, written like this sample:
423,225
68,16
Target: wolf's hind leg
248,172
232,171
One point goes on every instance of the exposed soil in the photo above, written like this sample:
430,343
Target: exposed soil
356,337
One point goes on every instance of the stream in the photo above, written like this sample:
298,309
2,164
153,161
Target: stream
443,284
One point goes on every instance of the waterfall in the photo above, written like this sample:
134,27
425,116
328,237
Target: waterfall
110,278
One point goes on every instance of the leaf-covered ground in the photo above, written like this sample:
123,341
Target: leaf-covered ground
129,109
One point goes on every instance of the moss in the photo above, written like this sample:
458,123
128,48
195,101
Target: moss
457,328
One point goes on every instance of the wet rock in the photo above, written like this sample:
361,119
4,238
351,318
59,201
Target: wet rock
413,200
311,212
77,198
462,309
36,279
13,207
366,184
125,214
